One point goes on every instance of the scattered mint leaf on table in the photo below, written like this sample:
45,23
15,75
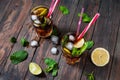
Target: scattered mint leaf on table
52,66
85,17
90,76
13,40
18,56
64,10
24,42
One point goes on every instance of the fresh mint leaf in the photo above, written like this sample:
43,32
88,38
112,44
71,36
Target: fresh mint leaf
44,22
18,56
55,32
74,51
24,42
52,66
87,45
64,10
85,17
54,73
48,69
13,40
64,40
90,76
50,62
79,14
82,49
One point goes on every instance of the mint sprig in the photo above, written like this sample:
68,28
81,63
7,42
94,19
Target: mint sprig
13,40
52,66
64,10
85,17
87,45
91,76
24,42
64,40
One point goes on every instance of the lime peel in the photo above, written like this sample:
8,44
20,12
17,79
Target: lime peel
35,69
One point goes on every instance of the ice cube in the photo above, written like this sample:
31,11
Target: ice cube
54,50
37,21
69,45
34,43
71,37
33,17
54,39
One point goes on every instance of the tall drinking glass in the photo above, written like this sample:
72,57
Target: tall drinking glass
42,24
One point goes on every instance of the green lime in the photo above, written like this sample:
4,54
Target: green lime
35,69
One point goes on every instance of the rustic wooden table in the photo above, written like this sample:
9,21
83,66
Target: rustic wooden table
15,21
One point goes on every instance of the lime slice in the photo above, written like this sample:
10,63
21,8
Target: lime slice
40,11
79,43
67,52
100,57
35,69
44,12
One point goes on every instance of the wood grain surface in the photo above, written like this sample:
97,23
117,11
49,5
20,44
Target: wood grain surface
15,21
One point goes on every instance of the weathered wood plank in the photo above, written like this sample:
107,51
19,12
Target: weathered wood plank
105,33
12,25
4,5
115,65
74,72
104,36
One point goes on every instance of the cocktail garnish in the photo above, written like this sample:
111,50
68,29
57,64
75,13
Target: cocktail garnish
87,45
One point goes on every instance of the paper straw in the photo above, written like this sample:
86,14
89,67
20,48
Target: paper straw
52,3
88,26
53,8
79,23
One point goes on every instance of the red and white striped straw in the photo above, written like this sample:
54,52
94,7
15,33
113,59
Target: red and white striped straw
52,3
79,23
52,7
88,26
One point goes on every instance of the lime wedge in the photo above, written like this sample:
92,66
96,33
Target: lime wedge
35,69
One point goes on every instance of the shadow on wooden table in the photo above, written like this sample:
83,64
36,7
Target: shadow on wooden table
42,75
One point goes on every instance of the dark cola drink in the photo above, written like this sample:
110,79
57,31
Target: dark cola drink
42,24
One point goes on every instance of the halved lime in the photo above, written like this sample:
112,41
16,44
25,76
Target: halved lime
35,69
